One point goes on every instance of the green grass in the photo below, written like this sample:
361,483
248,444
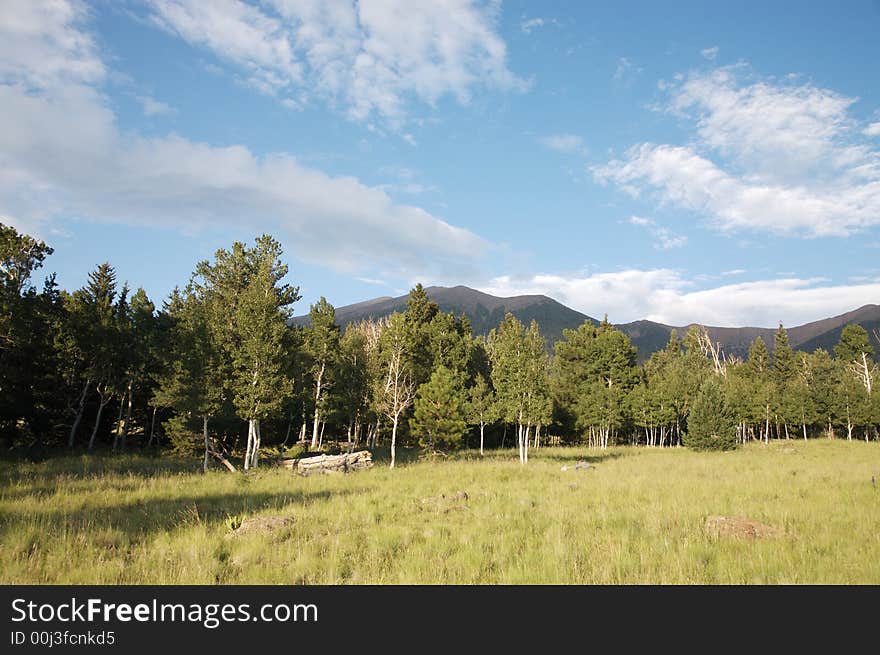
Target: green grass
636,517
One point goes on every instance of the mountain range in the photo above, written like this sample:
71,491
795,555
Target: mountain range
486,311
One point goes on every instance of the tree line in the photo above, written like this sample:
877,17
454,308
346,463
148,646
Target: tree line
219,372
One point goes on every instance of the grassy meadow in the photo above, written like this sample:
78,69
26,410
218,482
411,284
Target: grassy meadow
636,516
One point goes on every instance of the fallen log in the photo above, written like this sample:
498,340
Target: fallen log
221,457
325,464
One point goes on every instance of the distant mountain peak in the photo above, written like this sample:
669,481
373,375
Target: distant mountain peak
486,311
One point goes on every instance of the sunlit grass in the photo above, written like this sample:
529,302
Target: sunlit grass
636,516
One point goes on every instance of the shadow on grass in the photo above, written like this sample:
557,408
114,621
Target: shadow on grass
545,454
592,457
382,455
97,464
127,471
141,518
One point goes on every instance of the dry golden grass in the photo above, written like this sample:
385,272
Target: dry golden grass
636,516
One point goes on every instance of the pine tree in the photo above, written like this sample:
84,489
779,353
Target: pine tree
480,406
249,307
711,423
439,416
761,377
193,380
784,406
418,317
24,335
322,346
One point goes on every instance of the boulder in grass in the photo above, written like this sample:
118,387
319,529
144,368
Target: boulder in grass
261,524
739,527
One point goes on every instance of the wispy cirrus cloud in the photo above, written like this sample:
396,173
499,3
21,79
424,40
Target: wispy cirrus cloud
570,144
766,155
664,239
528,25
710,53
153,107
370,59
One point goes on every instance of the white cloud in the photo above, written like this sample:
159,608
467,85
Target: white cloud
153,107
41,47
370,57
626,72
374,281
666,296
771,157
528,25
565,143
664,238
872,130
98,172
710,53
237,32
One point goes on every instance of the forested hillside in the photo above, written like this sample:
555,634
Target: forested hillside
485,311
217,371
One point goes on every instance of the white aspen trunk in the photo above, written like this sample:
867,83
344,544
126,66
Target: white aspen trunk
250,441
152,427
393,441
321,436
786,431
79,413
255,455
482,429
314,443
207,443
805,431
118,433
767,426
127,418
302,433
101,404
519,442
526,445
287,436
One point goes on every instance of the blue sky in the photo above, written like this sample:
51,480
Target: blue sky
716,164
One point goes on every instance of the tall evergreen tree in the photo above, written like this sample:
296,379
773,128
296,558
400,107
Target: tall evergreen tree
439,416
711,424
193,382
785,406
322,347
249,308
480,407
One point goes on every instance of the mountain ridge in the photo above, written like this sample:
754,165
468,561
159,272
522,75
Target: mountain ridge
486,311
